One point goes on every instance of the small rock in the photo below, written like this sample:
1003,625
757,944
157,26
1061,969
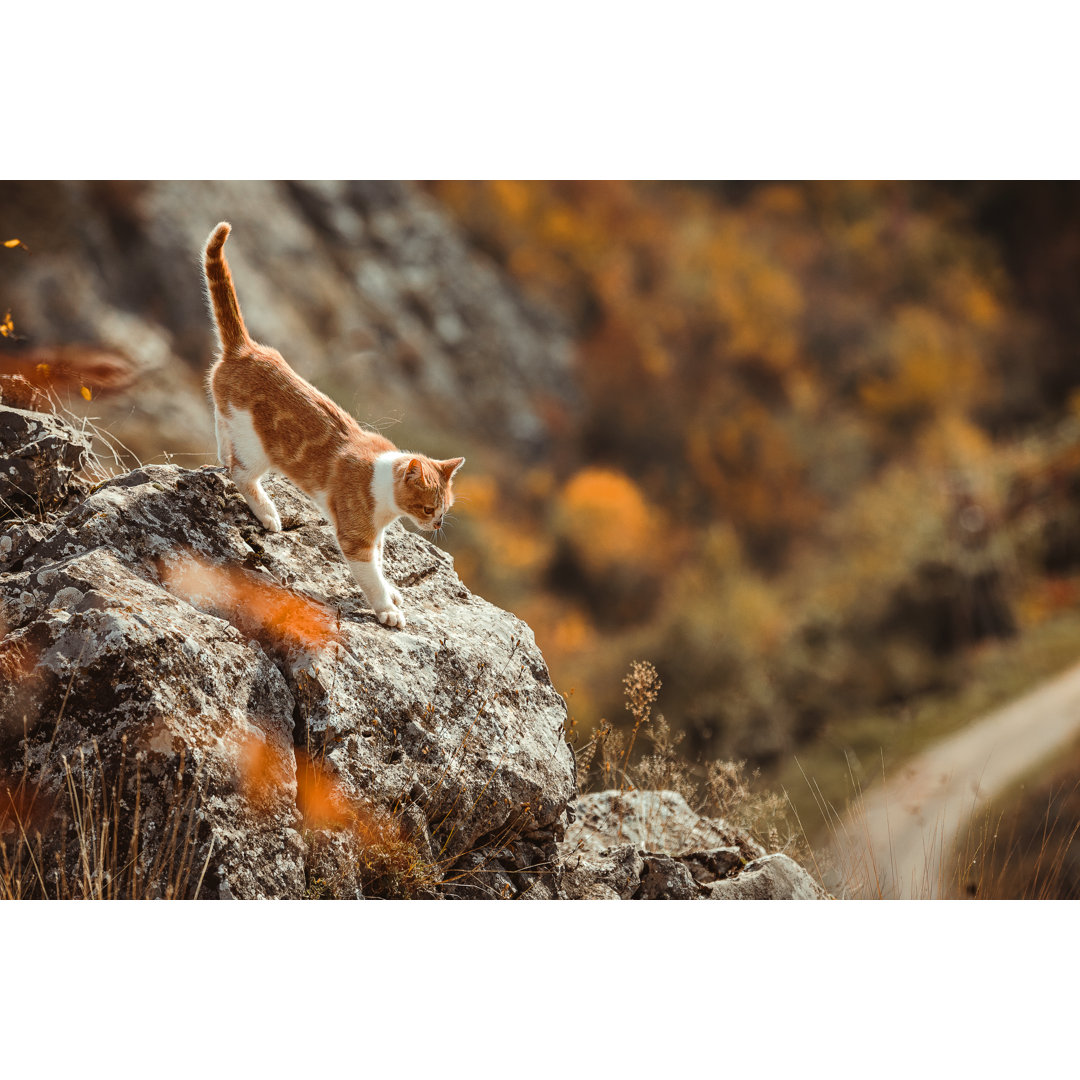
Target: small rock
665,878
772,877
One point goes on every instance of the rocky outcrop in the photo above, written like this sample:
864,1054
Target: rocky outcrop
39,457
192,707
19,393
367,288
155,630
650,845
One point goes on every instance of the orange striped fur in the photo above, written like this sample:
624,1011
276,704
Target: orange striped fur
267,417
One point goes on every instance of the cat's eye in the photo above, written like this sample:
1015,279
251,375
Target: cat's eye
429,509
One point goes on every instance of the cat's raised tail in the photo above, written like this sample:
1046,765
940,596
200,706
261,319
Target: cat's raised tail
230,323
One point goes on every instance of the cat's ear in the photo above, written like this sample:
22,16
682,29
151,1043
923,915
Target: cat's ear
413,471
448,468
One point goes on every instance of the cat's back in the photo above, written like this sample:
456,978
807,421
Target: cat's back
300,430
261,383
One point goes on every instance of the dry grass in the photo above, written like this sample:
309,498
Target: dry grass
93,847
1023,848
1012,849
720,789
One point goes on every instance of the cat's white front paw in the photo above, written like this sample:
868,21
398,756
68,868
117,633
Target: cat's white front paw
392,617
271,520
395,595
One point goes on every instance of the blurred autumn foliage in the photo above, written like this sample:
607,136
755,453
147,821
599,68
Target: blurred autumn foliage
815,465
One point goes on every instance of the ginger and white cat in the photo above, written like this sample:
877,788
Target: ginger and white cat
267,417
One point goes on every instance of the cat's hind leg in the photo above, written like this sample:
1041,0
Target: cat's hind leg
247,462
224,444
247,480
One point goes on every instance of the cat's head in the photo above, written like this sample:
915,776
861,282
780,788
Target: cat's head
423,489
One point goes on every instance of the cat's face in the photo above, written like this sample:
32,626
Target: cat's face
423,490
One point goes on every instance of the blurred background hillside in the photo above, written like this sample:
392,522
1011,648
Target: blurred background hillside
811,449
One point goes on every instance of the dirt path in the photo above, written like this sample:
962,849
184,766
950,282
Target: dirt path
897,836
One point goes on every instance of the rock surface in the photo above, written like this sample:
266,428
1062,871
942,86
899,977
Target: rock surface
156,619
18,393
223,708
650,845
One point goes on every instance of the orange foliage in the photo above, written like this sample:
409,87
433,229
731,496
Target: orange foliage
803,366
261,770
319,797
606,519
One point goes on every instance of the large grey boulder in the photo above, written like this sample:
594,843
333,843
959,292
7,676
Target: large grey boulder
650,845
163,647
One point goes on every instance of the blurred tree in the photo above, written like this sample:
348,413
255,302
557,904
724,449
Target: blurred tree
817,371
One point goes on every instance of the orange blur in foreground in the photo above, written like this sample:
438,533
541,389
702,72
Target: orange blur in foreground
23,807
242,597
319,797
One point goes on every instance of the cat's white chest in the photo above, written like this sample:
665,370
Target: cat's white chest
382,489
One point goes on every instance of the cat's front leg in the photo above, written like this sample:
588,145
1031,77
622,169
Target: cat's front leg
395,594
380,596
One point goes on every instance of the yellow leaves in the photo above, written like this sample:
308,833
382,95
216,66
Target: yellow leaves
514,548
540,482
478,493
755,614
757,299
935,367
786,200
43,370
605,518
982,307
560,226
85,391
572,633
513,197
15,244
954,442
657,361
7,326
